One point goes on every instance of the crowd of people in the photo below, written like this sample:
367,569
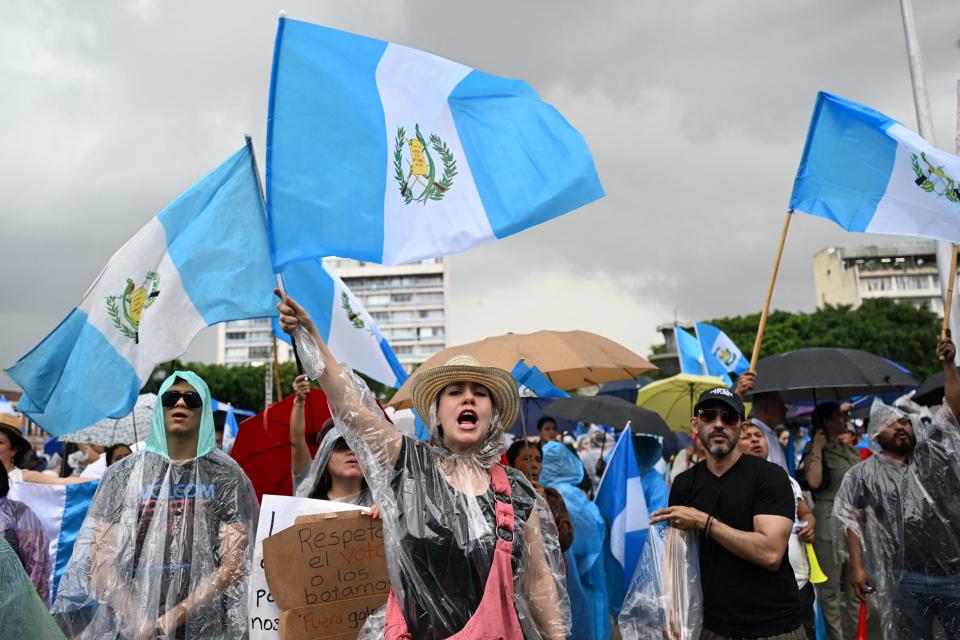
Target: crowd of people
485,540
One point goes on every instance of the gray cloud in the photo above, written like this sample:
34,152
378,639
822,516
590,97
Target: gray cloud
696,114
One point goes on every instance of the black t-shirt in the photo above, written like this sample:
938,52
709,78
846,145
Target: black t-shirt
740,598
444,564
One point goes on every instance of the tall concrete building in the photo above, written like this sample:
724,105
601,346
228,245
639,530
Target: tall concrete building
249,342
905,271
408,303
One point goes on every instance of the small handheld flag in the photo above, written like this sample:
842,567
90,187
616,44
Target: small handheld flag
387,154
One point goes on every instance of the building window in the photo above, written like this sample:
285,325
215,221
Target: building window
233,336
236,353
261,352
428,298
431,314
377,299
401,297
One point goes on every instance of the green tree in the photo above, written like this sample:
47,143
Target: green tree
897,331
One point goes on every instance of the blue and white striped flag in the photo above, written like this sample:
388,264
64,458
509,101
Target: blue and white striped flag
534,383
621,501
689,352
61,509
202,260
720,354
384,153
344,324
869,173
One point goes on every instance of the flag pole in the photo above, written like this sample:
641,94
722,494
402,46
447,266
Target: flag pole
948,301
766,303
276,371
921,102
263,198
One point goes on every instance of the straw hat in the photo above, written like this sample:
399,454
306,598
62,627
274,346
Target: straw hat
465,368
10,425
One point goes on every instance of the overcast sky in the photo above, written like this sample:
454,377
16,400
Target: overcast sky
695,112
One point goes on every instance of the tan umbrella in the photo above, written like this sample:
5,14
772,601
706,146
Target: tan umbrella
571,359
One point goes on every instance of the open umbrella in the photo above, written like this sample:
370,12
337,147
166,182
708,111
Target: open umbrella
131,428
673,398
608,411
570,359
821,374
262,448
624,389
931,391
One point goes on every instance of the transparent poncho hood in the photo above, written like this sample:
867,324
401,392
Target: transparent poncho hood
206,439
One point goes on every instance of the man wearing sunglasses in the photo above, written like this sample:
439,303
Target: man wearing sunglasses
164,550
743,507
897,515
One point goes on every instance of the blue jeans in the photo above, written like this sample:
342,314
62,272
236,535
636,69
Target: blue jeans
919,598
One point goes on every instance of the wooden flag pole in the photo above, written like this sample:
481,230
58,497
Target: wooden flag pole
766,303
948,299
276,371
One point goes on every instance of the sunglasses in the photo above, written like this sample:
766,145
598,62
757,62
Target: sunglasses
729,418
190,398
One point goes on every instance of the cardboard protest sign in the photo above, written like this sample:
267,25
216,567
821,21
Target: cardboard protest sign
276,513
336,620
326,558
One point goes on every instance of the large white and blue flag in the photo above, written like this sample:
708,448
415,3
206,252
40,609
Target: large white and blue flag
342,321
720,355
869,173
204,259
61,509
621,501
387,154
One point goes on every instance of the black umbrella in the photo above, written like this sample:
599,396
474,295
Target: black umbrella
609,411
821,374
931,391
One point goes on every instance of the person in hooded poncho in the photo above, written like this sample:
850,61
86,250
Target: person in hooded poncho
472,549
165,547
586,577
23,614
334,472
22,529
897,516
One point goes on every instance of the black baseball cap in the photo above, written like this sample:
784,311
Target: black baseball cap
722,395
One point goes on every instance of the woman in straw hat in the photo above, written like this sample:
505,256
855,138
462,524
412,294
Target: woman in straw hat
472,549
14,449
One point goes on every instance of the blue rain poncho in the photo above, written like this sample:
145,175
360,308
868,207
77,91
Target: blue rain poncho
163,537
586,577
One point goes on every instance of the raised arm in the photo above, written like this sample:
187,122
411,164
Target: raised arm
947,352
361,426
300,454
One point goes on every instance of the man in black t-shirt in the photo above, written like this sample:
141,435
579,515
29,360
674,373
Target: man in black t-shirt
744,508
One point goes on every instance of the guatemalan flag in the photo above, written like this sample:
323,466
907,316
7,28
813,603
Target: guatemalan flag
345,326
621,501
204,259
689,352
61,509
720,354
387,154
867,172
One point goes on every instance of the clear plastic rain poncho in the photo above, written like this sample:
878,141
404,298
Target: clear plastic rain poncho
24,533
665,599
312,485
164,538
439,539
586,576
906,516
22,614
